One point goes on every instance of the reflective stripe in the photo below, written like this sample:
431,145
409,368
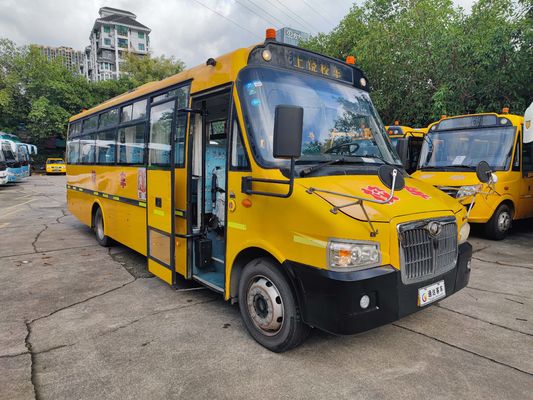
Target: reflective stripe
159,212
302,239
236,225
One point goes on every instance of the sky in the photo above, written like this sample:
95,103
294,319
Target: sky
191,30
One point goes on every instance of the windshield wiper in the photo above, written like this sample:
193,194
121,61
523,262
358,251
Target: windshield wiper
307,171
381,159
461,166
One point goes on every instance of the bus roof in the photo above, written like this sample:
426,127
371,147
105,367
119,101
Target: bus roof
513,118
205,76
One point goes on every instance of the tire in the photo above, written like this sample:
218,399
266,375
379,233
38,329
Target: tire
99,231
264,292
500,223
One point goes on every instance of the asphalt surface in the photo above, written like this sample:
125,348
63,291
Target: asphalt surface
78,321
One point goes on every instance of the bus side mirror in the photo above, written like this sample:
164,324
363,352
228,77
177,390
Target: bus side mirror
288,130
483,172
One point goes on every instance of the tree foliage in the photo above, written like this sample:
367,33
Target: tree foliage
425,58
38,95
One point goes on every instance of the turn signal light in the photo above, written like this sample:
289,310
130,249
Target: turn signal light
270,34
350,60
505,110
443,116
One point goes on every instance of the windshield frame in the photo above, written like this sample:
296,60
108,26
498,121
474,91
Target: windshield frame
248,126
447,168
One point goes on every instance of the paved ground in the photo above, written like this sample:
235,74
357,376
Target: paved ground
78,321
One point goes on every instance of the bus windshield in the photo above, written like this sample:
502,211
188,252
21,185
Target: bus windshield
8,152
339,120
466,148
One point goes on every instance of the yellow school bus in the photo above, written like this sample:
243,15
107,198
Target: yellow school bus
266,175
453,148
408,143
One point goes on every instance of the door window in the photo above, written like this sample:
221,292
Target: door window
160,130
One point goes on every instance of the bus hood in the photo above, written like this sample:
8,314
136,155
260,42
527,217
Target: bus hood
417,197
440,178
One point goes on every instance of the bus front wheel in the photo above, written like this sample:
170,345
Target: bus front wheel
98,225
500,223
268,307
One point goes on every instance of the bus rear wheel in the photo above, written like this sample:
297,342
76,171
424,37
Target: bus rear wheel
500,223
98,225
268,307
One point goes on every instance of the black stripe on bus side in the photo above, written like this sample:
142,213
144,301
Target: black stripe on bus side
109,196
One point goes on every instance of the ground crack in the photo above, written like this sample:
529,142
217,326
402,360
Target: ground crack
482,320
496,292
34,243
463,349
502,263
32,361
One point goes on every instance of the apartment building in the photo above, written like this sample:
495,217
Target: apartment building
115,33
70,58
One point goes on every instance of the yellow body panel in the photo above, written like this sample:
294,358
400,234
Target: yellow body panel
511,185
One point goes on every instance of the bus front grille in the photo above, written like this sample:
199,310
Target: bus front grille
427,248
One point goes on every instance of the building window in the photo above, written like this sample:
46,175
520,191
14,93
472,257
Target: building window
140,35
107,42
122,30
123,43
107,29
141,46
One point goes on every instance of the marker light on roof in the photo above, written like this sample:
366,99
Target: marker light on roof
362,81
504,121
267,55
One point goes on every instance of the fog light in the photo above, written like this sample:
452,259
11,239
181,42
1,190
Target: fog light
364,302
469,265
267,55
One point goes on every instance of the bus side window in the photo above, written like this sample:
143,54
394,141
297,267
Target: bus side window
239,158
160,130
74,151
516,161
181,126
527,158
130,145
105,147
87,148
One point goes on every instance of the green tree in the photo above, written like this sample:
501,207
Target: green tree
425,58
141,70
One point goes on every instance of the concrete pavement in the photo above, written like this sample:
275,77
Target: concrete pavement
78,321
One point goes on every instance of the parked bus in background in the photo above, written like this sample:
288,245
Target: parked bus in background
266,175
408,143
3,167
453,148
23,157
14,170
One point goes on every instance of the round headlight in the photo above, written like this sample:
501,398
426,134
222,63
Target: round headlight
364,302
267,55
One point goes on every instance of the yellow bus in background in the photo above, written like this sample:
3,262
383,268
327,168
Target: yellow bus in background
266,175
408,143
453,148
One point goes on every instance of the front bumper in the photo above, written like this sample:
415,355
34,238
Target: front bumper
329,300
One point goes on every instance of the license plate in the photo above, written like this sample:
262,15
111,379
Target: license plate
431,293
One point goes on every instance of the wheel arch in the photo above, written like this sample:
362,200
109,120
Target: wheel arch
97,205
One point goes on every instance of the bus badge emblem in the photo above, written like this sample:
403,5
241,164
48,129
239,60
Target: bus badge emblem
434,228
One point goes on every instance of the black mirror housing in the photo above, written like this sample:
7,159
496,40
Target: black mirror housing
483,172
288,131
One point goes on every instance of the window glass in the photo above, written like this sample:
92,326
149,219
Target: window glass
141,46
166,95
109,118
134,111
516,162
131,144
73,149
181,126
87,147
107,42
105,147
122,30
74,129
160,128
140,35
123,43
90,123
239,159
527,158
107,29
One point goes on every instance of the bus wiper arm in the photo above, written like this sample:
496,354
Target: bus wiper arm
307,171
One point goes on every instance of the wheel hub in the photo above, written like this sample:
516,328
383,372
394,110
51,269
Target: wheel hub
504,221
265,306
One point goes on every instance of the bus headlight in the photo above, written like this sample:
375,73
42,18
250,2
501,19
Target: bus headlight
464,232
346,255
465,191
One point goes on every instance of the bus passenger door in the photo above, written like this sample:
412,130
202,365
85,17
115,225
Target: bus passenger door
159,190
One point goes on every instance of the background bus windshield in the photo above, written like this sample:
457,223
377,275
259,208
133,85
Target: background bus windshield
466,148
339,120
